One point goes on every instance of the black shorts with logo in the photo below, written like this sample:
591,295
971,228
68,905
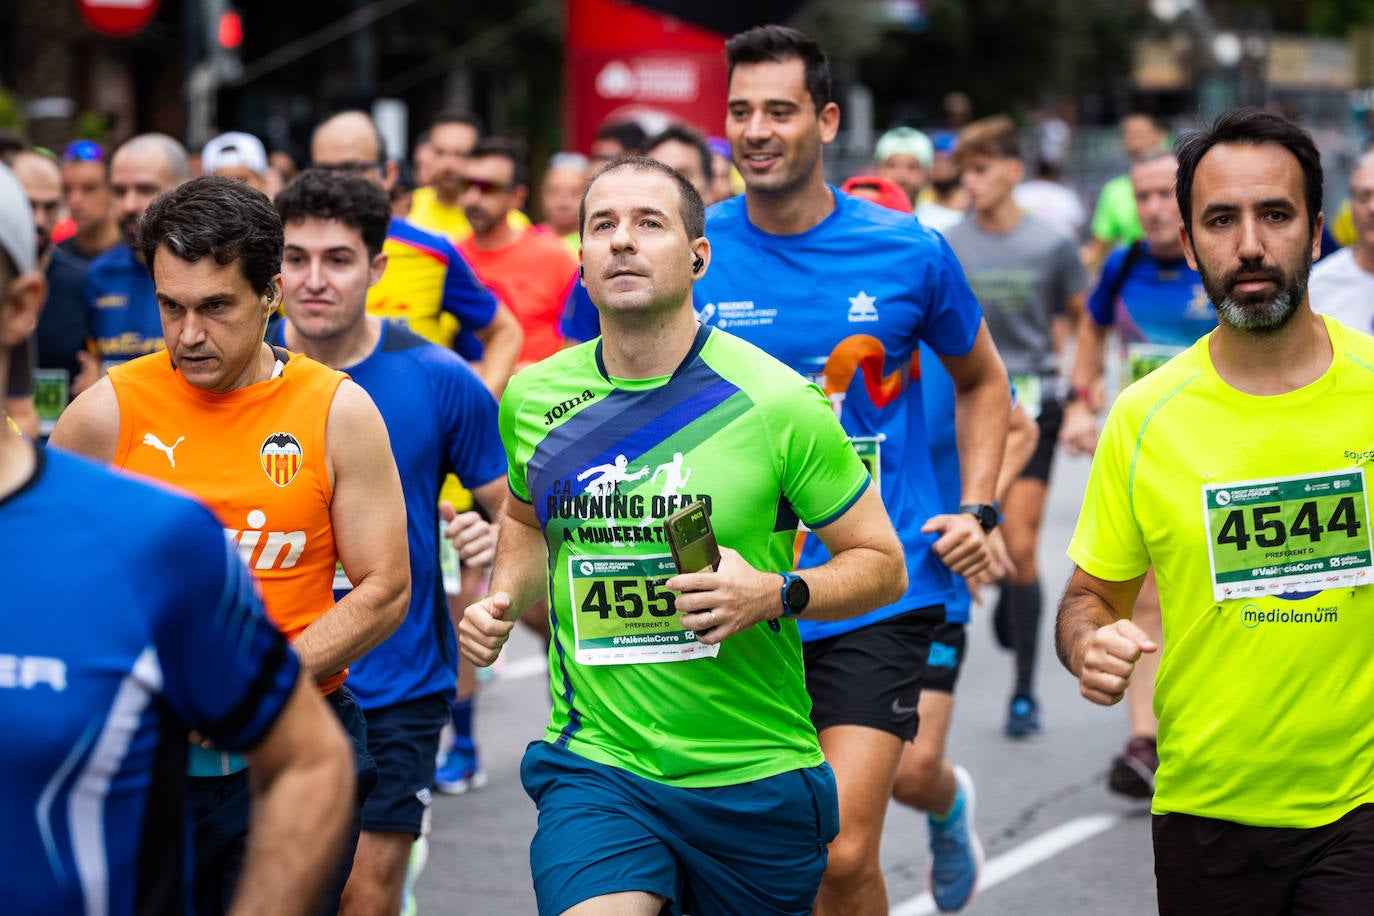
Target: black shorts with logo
872,676
404,740
948,645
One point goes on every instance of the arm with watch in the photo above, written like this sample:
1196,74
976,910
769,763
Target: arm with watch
866,570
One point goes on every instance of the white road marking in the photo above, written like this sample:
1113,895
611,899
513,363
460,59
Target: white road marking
1019,858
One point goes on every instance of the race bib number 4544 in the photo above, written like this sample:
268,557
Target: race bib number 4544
1302,533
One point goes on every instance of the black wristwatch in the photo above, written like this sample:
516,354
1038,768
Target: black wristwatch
796,595
986,514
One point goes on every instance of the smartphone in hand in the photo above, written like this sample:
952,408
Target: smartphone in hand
691,539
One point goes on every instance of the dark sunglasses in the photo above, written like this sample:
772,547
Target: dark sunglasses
83,151
483,186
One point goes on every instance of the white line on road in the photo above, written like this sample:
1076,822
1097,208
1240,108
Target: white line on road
1019,858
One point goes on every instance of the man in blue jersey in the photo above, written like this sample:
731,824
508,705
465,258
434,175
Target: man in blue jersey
121,307
1159,307
440,419
430,287
679,766
842,290
107,664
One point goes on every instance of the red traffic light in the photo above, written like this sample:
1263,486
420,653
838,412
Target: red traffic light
230,30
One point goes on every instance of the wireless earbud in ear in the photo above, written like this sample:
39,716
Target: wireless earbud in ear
697,265
580,274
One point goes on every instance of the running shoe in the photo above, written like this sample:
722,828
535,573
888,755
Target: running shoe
1023,717
461,770
956,856
1133,770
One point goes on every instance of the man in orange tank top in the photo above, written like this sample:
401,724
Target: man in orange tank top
291,456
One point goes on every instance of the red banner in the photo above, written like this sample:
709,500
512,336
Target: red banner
623,62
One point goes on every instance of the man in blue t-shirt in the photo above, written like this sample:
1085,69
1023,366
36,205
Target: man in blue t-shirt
440,419
106,664
842,290
120,304
1159,308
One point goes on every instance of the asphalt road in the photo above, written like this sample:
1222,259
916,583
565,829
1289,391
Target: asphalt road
1057,842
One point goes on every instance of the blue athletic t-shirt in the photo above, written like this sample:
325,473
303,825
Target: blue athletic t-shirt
124,628
441,419
122,307
937,399
1161,300
846,304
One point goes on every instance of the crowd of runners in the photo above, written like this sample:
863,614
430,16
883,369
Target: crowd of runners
422,419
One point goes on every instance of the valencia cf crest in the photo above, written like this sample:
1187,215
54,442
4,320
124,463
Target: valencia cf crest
281,458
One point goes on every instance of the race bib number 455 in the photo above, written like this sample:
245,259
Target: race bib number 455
1302,533
622,613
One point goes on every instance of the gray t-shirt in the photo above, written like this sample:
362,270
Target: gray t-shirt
1022,279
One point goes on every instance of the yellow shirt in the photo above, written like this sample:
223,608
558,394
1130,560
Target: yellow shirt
1264,684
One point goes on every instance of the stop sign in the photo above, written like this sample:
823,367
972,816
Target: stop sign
117,18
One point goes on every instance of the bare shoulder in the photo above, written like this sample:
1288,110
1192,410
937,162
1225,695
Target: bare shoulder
90,424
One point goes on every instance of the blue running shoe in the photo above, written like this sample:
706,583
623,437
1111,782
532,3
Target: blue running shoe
461,771
1023,718
956,856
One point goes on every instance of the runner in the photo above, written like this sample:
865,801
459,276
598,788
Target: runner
439,418
1159,307
1115,221
904,155
842,290
292,457
427,287
1027,277
86,195
678,766
684,149
436,205
1262,546
1343,283
130,652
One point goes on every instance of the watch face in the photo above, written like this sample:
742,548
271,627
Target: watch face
798,594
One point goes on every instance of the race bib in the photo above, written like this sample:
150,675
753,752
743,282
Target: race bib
1027,385
869,453
449,565
51,393
623,614
1143,358
1303,533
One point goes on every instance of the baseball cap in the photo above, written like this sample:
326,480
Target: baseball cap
905,140
16,223
234,150
886,192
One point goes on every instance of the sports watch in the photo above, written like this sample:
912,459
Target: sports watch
986,514
796,595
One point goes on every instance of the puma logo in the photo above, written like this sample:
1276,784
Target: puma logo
155,442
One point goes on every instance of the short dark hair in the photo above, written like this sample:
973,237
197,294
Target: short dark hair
689,136
216,216
503,148
351,199
454,116
778,44
995,136
628,134
1248,127
691,209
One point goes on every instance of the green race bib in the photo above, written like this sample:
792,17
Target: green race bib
1028,394
51,393
1302,533
1143,358
622,614
869,453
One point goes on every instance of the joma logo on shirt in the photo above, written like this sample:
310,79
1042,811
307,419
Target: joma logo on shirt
558,410
280,550
28,671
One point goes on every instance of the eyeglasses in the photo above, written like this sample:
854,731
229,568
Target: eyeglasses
483,186
349,166
83,151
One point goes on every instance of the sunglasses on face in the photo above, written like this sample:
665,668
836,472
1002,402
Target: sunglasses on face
83,151
483,186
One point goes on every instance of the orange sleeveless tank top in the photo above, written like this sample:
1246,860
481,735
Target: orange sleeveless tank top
256,457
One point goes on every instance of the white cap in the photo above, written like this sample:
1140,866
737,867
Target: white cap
232,150
16,223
